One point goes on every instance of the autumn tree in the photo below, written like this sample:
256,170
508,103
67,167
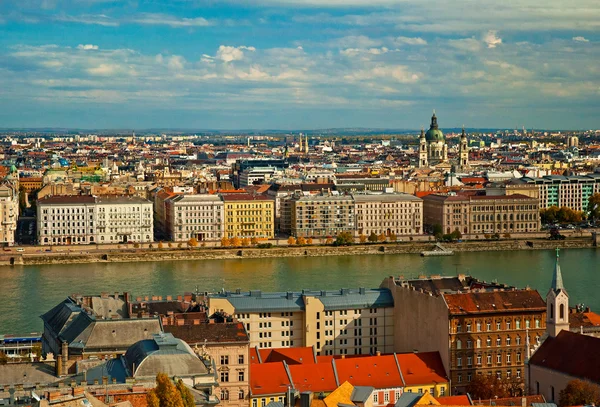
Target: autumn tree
291,241
578,393
160,245
329,240
362,238
373,237
301,241
245,242
381,237
393,237
488,387
254,241
186,395
344,239
309,241
193,242
594,206
165,394
236,242
225,242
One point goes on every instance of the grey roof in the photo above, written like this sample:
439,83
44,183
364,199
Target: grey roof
346,298
543,405
58,317
163,353
27,373
275,404
395,197
256,301
361,393
408,399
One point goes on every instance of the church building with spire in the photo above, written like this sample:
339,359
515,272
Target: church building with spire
433,149
557,303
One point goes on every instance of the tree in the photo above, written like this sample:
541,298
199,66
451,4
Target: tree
186,395
344,239
309,241
437,230
381,237
456,235
579,392
193,242
291,241
594,206
489,387
301,241
362,238
3,358
254,241
393,237
160,245
245,242
225,242
165,394
236,242
373,237
329,240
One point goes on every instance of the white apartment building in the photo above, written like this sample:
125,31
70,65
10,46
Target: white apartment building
198,216
257,175
570,191
397,213
65,220
9,212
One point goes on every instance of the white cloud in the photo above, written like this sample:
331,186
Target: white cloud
103,70
176,63
87,47
398,73
491,39
171,21
349,52
580,39
410,41
90,19
354,41
227,53
465,44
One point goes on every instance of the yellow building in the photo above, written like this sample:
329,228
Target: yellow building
248,215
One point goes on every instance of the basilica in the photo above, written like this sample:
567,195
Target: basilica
433,150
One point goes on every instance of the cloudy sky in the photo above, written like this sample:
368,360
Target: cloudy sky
290,64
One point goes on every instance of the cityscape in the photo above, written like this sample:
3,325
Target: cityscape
299,203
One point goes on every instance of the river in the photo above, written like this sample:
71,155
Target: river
28,291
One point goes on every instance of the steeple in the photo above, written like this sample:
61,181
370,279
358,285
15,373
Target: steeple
463,135
434,123
557,281
422,136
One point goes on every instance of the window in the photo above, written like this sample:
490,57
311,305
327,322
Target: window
241,376
478,343
489,326
459,377
518,324
527,325
224,394
479,359
469,361
561,313
508,358
376,398
224,359
224,377
443,391
458,328
537,323
459,361
507,324
552,389
518,373
498,375
479,327
469,344
498,341
458,344
241,395
507,341
489,342
397,394
469,327
518,340
240,359
497,326
519,357
254,403
489,359
386,397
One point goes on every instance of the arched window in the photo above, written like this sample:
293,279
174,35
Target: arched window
551,312
458,344
562,311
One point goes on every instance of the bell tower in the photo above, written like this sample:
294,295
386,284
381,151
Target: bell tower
463,150
557,303
422,150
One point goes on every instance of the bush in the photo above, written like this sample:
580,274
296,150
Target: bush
236,242
136,245
291,241
496,236
264,245
373,237
245,242
382,237
170,244
329,240
254,241
150,246
301,241
393,237
506,235
193,242
160,245
362,238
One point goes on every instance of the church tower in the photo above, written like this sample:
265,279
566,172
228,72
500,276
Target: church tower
422,150
463,150
557,304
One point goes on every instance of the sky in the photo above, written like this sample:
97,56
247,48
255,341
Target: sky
299,64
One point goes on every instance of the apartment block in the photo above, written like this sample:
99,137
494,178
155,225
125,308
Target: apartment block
65,220
248,215
400,214
9,212
325,214
199,216
482,214
342,322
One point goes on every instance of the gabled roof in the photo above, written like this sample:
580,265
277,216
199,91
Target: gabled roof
221,333
268,378
377,371
58,317
422,368
572,354
340,396
313,377
292,356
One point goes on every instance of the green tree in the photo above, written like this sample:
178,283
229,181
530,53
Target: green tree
373,237
344,239
186,395
579,392
437,230
594,206
456,235
165,393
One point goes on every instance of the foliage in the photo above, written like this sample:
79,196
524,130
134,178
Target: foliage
393,237
362,238
301,241
3,358
437,230
150,246
36,351
264,245
456,235
344,239
579,392
186,395
381,237
170,244
564,214
496,236
180,245
236,242
193,242
291,241
160,245
373,237
165,394
594,206
245,242
254,241
489,387
309,241
136,245
506,235
329,240
225,242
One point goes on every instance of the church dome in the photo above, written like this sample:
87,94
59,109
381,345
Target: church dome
434,133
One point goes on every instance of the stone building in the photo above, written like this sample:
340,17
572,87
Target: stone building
9,213
478,328
433,149
482,214
342,322
194,216
400,214
248,216
322,215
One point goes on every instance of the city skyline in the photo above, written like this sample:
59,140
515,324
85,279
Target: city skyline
298,64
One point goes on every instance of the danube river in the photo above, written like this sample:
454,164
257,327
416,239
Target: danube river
26,292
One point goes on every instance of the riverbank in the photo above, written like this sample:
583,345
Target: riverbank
171,254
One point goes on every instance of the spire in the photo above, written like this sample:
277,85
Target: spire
557,282
422,132
434,124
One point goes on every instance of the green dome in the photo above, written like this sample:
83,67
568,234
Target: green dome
434,133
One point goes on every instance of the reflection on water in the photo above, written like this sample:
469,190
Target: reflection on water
27,292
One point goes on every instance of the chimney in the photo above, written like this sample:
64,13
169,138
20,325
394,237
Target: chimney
306,398
378,353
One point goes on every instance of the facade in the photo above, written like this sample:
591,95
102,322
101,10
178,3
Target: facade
123,220
65,220
482,214
488,325
570,191
256,175
194,216
9,213
343,322
400,214
326,214
248,215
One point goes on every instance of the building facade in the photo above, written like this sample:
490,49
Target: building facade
322,215
343,322
482,214
195,216
66,220
399,214
9,213
248,216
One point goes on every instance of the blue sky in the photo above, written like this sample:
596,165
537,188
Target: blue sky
299,64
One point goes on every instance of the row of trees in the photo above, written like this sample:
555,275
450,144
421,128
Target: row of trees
554,214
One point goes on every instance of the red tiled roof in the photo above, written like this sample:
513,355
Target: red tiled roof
268,378
422,368
377,371
292,356
494,301
572,354
313,377
473,180
462,400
